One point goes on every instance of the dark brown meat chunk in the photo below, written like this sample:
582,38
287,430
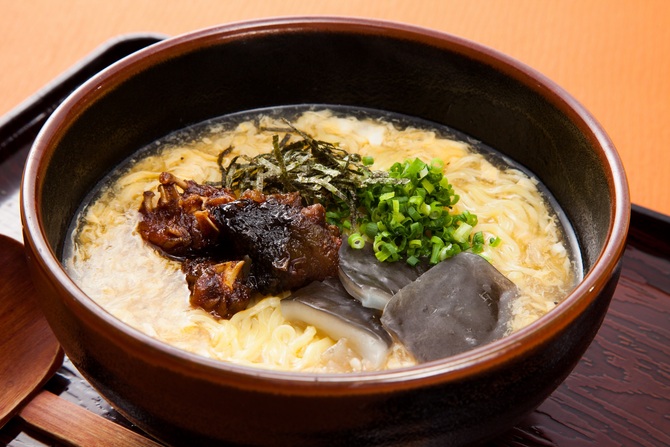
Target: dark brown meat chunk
219,288
232,247
291,198
289,246
179,224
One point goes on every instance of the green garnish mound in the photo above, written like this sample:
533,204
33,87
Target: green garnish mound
404,212
412,220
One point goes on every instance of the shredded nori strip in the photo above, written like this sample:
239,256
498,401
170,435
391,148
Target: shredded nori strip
320,171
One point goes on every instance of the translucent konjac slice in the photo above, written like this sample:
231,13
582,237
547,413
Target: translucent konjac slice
371,282
459,304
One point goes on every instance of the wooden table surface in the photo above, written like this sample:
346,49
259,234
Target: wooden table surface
612,55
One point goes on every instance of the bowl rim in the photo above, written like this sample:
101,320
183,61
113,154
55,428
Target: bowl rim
474,362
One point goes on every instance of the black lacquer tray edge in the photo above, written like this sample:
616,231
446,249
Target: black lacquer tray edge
650,231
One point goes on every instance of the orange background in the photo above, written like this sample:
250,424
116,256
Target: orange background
612,55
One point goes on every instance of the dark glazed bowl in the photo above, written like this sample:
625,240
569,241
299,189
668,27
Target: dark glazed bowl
184,399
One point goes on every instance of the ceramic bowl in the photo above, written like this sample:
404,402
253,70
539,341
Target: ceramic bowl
184,399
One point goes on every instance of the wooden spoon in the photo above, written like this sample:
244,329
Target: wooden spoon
30,355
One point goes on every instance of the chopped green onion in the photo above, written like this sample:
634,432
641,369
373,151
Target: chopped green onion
415,243
416,200
425,209
413,220
436,241
356,240
386,196
387,251
416,228
494,241
413,260
370,229
462,232
436,166
478,242
396,206
413,213
427,186
435,254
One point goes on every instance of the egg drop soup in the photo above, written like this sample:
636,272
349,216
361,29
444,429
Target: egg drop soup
526,238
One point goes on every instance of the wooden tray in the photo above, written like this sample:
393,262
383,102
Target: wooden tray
619,394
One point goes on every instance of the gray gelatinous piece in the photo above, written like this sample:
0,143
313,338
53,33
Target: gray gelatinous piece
327,306
459,304
371,282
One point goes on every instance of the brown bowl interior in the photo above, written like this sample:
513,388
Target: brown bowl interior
369,64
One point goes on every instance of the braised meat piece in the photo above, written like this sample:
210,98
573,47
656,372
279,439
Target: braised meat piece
290,246
291,198
219,288
232,247
179,224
